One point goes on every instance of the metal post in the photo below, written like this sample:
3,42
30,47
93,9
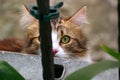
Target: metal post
46,42
119,32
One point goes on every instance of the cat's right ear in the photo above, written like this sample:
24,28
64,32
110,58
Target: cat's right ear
26,18
26,8
80,17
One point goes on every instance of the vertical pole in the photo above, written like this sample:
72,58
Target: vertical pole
119,32
46,42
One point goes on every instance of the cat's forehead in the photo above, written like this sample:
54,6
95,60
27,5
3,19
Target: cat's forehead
55,23
64,24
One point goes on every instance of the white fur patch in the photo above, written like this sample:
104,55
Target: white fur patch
55,44
86,58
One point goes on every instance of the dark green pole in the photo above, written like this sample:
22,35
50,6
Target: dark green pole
46,42
119,31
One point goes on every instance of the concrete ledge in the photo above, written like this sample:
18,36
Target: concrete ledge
31,69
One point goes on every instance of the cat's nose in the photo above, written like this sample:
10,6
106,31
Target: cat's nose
54,51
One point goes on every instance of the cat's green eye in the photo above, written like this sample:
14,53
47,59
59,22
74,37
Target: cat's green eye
65,39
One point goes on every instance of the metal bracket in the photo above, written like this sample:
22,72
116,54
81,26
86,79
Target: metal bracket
53,13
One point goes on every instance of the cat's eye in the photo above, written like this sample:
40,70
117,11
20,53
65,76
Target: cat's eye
65,39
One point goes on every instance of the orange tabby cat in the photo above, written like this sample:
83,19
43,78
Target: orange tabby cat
12,44
68,40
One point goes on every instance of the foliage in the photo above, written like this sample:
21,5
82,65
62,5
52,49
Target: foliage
7,72
111,52
87,73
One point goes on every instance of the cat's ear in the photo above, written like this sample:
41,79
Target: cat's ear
80,17
26,8
26,17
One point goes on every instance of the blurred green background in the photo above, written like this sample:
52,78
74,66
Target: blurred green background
102,15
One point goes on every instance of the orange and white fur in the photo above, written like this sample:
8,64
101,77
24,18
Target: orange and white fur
68,39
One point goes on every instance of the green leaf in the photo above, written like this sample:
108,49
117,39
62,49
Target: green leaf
87,73
110,51
7,72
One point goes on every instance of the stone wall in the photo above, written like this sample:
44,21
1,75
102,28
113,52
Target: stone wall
30,67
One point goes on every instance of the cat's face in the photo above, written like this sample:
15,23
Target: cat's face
67,37
68,40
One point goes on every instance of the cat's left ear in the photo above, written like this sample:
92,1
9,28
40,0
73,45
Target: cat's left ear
80,17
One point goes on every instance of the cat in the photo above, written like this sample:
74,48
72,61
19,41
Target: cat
68,39
12,44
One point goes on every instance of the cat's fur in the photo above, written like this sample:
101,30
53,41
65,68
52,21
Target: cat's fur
68,28
12,44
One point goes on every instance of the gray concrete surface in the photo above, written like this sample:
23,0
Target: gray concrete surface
30,66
